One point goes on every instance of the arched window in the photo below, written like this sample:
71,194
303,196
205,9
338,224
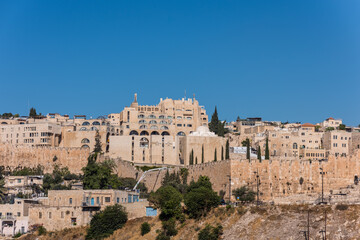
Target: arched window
153,122
163,122
85,140
4,123
142,121
153,127
83,129
144,142
141,116
133,132
165,134
85,146
96,123
144,133
143,127
86,124
181,134
155,133
93,129
112,129
121,132
161,117
178,117
164,128
152,116
295,146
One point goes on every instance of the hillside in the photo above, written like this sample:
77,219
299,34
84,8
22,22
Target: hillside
267,222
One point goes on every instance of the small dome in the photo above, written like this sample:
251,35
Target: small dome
202,129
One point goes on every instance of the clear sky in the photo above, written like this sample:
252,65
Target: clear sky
280,60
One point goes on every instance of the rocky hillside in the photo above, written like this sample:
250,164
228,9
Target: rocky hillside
269,222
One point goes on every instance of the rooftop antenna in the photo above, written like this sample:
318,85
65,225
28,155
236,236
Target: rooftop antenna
28,107
185,93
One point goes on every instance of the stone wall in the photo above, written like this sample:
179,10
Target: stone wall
13,156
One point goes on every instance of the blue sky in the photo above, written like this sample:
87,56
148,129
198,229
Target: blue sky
280,60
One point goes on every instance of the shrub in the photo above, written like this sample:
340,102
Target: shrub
104,223
169,227
41,230
244,194
17,235
341,207
200,198
145,228
168,199
210,233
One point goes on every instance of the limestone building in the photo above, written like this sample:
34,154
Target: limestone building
169,117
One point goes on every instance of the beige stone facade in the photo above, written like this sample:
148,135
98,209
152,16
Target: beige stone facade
70,208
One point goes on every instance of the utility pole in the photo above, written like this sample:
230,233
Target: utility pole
322,186
229,188
257,186
323,232
308,224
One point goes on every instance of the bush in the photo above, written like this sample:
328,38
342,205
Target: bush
210,233
104,223
200,198
145,228
18,235
244,194
41,230
341,207
168,199
169,227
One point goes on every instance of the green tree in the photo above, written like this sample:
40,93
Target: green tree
210,233
145,228
214,123
328,129
227,154
202,154
215,156
342,127
200,197
267,152
244,194
248,149
104,223
32,112
191,159
168,199
97,147
99,175
259,153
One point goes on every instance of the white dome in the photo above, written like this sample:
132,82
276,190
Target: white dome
203,131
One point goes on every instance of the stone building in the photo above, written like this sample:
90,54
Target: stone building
337,142
14,217
69,208
22,184
169,150
169,117
331,122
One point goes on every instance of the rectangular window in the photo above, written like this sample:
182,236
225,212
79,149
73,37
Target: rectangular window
107,199
18,214
70,201
97,200
49,214
117,200
40,215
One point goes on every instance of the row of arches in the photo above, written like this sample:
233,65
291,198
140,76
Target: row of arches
90,129
154,127
146,133
153,122
95,123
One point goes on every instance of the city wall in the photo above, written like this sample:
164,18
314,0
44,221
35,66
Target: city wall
279,178
13,156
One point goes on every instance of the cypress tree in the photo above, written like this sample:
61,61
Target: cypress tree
215,156
259,153
202,154
32,112
191,161
227,155
248,149
97,147
267,154
222,152
214,123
